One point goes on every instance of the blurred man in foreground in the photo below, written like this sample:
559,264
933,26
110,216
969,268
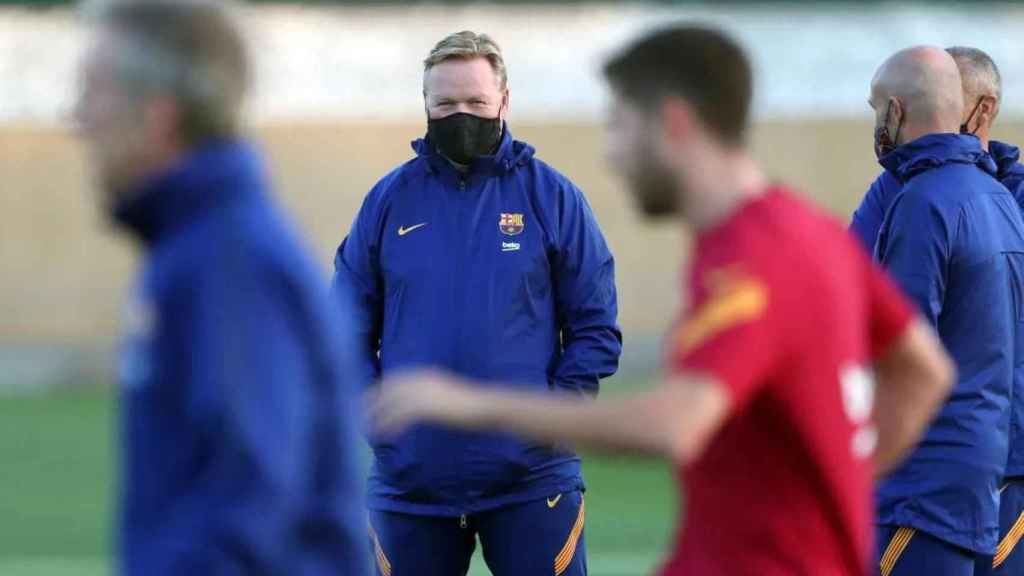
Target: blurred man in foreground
766,406
478,257
953,239
238,431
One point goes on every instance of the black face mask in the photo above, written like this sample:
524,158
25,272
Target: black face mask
884,143
963,127
462,137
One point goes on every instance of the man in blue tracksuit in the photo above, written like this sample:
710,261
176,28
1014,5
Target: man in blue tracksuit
239,431
982,92
479,258
953,238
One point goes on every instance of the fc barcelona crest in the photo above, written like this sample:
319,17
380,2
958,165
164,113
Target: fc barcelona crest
511,224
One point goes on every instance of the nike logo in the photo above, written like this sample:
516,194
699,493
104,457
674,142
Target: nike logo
552,502
402,231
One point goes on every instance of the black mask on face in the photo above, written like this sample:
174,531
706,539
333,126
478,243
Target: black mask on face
884,143
963,127
462,137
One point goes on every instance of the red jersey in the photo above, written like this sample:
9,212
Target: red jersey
786,312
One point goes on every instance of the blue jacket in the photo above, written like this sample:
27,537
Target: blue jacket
500,274
240,439
867,218
953,239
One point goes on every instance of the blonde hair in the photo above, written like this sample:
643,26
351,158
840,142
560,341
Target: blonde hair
466,45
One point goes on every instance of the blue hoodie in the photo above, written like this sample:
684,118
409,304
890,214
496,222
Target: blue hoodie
239,435
953,239
500,274
867,218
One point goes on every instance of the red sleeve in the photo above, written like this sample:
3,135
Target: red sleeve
890,313
731,332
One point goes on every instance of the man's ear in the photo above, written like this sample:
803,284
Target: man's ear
677,118
988,108
896,111
506,104
163,122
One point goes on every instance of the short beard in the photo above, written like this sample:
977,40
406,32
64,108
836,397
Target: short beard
656,190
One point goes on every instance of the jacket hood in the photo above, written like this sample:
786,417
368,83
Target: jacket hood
935,150
1005,156
208,177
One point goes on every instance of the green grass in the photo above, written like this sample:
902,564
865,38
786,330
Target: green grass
57,486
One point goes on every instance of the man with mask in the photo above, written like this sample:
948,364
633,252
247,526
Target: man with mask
478,257
982,93
953,239
788,333
239,385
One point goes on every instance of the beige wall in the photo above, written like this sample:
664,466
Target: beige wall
63,273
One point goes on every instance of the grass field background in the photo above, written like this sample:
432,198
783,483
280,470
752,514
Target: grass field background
57,486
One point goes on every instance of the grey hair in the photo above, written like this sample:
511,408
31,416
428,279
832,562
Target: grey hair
978,71
190,50
465,45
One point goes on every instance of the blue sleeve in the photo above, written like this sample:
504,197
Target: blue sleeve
867,218
357,275
271,403
585,298
915,247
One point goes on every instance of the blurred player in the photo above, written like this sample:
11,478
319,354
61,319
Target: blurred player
982,88
953,239
766,405
982,93
238,436
478,257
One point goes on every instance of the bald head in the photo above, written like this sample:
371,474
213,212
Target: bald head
922,87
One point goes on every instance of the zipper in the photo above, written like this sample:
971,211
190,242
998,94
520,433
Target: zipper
463,522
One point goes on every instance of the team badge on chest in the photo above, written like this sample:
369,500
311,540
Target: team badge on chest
511,224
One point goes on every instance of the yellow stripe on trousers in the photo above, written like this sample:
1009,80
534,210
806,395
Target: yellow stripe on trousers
382,560
895,549
1009,542
564,558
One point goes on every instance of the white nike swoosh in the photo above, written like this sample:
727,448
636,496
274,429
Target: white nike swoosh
402,231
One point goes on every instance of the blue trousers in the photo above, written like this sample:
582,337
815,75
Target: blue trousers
543,537
905,551
1009,559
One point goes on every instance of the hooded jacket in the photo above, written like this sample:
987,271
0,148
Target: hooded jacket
239,438
499,273
953,239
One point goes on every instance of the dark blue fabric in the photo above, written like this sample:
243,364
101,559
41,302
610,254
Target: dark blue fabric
533,306
1011,510
954,241
867,218
239,423
519,539
926,555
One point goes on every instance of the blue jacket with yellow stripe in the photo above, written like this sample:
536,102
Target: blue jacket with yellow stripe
953,239
499,273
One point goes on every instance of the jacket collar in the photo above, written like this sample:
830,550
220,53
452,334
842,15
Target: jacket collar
510,153
935,150
1005,156
208,177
